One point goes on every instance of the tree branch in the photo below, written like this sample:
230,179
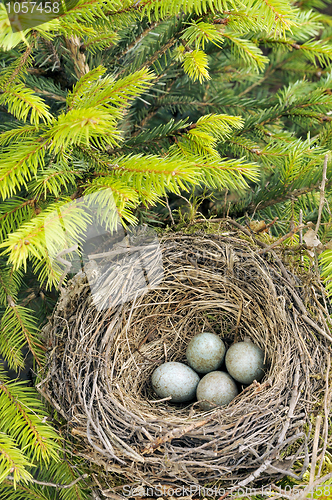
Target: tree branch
294,194
283,238
54,485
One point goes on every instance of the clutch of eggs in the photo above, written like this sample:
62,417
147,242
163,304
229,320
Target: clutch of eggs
205,354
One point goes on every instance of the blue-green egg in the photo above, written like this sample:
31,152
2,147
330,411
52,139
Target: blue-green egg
176,380
205,352
245,362
216,388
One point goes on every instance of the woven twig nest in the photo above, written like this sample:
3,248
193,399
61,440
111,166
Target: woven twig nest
100,366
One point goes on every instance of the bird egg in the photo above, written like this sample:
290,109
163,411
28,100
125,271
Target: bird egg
175,379
245,362
218,388
205,352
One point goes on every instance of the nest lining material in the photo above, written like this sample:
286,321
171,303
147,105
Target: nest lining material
101,363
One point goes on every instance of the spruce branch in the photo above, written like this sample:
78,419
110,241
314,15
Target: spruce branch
22,418
18,165
296,193
18,328
12,213
138,39
56,60
12,460
249,51
7,78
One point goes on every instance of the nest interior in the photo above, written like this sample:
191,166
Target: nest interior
101,360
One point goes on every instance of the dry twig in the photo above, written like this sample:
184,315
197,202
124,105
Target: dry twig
54,485
314,450
282,239
322,195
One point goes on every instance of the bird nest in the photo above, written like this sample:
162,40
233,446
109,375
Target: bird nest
101,360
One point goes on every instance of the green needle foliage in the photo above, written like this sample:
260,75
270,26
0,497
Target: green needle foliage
26,440
59,481
147,101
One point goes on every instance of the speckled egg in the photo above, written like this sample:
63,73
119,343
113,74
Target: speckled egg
176,380
245,362
217,388
205,352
